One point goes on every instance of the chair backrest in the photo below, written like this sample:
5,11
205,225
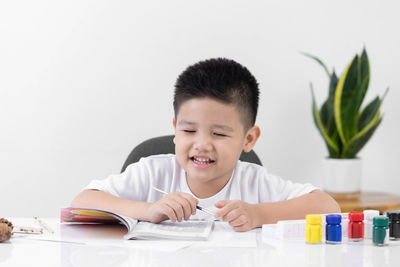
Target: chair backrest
165,145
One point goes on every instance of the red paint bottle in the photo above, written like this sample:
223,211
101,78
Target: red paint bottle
356,226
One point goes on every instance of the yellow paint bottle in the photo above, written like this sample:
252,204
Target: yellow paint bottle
313,229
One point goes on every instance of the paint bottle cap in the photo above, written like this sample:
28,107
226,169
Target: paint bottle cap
313,219
370,214
356,216
381,221
333,219
393,215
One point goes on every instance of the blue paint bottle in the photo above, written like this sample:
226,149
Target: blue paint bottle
333,229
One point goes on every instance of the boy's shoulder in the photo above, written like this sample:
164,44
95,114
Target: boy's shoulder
169,159
154,165
249,166
160,157
247,172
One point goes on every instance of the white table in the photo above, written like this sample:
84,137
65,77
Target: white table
110,250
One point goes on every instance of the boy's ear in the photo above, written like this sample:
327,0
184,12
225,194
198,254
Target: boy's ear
251,138
174,124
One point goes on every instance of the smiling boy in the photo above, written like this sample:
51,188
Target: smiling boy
215,106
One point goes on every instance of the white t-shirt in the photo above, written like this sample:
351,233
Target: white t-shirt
249,182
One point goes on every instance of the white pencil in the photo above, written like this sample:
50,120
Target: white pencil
197,207
44,225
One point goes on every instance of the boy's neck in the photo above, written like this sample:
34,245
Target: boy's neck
208,189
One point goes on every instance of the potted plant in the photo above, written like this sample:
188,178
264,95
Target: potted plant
345,125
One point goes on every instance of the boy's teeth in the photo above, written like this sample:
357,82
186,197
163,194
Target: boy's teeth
201,160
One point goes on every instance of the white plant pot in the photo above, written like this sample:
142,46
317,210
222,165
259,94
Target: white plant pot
342,176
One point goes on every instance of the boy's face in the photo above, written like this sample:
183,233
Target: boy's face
209,138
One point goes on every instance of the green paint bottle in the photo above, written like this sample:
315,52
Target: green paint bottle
380,236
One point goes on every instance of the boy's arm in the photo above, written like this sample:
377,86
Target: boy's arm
96,199
316,202
175,206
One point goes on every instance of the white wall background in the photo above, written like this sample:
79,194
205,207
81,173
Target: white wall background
82,82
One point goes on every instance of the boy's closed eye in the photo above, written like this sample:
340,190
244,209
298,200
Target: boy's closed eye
216,134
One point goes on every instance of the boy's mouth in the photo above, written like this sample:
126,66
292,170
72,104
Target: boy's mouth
201,160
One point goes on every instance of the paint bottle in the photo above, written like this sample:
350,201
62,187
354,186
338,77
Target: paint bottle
394,224
368,222
313,229
333,229
345,223
381,231
356,226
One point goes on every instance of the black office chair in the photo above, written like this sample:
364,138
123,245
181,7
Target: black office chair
165,145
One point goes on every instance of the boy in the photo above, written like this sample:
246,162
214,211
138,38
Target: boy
215,106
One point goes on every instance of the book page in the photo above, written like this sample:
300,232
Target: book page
186,230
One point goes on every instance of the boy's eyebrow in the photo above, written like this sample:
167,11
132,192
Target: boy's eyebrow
223,127
220,126
184,122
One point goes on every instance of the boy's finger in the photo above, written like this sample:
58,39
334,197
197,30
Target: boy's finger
241,228
238,221
187,208
177,209
221,203
192,201
231,216
167,210
225,210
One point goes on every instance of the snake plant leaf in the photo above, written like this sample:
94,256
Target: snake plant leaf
319,61
344,108
330,113
332,88
358,141
364,77
324,114
327,111
368,113
327,119
371,111
332,147
336,139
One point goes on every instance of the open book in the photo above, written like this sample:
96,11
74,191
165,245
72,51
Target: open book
185,230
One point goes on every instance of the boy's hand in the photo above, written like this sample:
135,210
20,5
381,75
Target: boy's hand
174,206
241,215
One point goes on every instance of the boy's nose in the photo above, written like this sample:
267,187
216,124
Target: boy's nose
203,143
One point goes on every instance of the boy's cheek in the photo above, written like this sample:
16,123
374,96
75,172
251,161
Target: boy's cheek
180,141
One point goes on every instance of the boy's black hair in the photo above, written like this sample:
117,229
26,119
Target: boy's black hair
223,80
